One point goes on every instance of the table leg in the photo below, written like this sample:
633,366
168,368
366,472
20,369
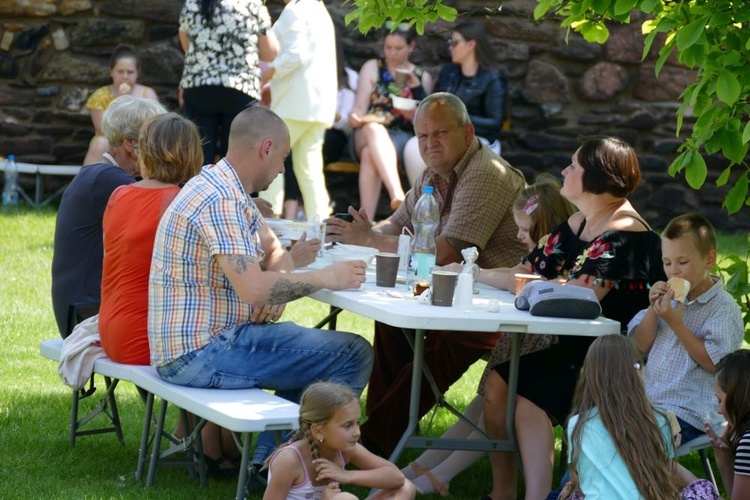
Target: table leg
510,410
416,387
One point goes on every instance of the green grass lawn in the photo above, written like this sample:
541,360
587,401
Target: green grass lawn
35,458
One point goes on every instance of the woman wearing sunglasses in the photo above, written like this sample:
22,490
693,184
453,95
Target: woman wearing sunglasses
471,76
381,130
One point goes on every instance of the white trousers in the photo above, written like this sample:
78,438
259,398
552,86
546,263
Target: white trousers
307,158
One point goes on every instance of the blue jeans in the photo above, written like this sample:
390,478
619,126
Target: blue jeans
688,431
283,357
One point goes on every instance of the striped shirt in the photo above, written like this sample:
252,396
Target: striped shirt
742,456
476,205
674,381
190,298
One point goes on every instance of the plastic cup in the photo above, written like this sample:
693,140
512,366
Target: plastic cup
523,279
443,286
386,268
401,77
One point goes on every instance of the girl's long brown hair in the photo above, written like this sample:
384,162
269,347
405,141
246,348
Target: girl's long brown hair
610,384
733,377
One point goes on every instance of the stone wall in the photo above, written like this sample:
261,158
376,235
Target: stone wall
53,53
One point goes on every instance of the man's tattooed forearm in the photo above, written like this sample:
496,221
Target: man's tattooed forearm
286,291
240,263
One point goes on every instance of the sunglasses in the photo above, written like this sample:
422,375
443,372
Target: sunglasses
391,26
452,42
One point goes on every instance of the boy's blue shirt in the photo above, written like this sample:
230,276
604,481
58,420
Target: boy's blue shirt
674,381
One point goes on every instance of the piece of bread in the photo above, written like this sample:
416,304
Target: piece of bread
681,288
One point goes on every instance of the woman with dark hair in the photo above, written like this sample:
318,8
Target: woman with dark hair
124,69
381,130
607,247
471,76
223,42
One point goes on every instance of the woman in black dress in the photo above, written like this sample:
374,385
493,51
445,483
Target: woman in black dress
607,247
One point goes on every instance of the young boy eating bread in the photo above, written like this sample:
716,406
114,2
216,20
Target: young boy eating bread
683,341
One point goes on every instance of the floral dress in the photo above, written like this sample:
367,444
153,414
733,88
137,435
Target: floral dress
627,262
380,98
226,52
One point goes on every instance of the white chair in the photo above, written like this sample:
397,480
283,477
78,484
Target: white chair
701,444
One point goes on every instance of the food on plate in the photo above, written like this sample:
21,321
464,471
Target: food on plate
681,288
373,118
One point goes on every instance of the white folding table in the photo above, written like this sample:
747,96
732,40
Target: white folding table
382,304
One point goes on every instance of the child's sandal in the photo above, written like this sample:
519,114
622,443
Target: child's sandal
440,488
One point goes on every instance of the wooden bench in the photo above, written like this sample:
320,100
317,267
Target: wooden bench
240,411
40,172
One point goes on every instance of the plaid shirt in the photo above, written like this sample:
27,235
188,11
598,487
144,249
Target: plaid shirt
190,298
476,205
674,381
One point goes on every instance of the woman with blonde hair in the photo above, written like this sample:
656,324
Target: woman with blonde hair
169,154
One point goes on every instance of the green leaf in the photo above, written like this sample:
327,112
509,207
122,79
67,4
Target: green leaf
746,133
542,8
663,56
736,196
695,170
724,177
679,163
445,12
624,6
647,6
728,87
595,32
648,42
690,33
734,148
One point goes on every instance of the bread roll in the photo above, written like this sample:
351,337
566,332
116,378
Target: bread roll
681,288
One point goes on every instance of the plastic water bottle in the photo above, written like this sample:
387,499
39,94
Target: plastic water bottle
425,219
10,186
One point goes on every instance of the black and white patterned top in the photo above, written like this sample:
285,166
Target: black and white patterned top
742,456
224,53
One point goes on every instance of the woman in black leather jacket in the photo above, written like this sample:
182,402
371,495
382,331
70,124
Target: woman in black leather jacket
472,78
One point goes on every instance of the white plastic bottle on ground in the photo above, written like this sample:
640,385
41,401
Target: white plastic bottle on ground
425,219
10,185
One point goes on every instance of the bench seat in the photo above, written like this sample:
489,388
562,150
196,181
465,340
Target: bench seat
241,411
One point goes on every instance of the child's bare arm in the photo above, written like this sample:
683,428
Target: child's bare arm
283,473
645,333
374,472
722,454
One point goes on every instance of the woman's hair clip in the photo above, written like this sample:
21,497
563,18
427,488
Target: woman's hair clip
531,205
637,365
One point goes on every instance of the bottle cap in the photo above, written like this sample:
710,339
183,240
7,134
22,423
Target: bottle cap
427,189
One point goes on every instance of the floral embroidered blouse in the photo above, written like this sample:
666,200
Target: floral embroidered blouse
380,99
226,52
628,262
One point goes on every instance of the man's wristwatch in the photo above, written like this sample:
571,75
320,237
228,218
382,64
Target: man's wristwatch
263,31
